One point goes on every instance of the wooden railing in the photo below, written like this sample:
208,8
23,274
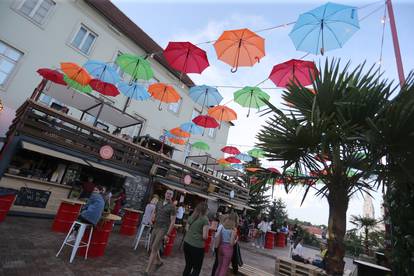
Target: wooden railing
41,122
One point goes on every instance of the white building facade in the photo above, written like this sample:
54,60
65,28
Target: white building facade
42,33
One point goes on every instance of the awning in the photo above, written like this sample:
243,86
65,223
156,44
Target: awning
173,187
109,169
203,195
237,204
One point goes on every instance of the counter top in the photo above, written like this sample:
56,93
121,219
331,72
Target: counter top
111,217
73,201
37,181
133,210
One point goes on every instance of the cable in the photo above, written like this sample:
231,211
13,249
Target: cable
371,13
384,21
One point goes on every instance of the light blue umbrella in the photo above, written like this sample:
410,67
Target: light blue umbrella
102,71
191,128
244,157
134,91
325,28
166,135
238,166
205,95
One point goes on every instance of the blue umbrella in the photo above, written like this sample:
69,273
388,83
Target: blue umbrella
238,166
205,95
102,71
192,128
325,28
244,157
167,134
134,91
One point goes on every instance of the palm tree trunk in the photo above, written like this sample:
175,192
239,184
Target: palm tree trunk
366,241
338,205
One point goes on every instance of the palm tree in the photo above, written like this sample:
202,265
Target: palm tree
366,223
319,137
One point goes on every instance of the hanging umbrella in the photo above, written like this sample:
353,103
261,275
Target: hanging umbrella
250,97
186,57
102,71
137,67
273,170
222,113
191,128
75,85
200,145
75,73
230,150
224,165
179,132
239,48
257,153
205,95
325,28
223,161
52,75
134,91
177,141
232,159
244,157
299,71
163,92
205,121
105,88
238,166
254,169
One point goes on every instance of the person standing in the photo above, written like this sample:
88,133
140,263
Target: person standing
263,227
163,226
147,219
226,240
119,200
180,214
194,240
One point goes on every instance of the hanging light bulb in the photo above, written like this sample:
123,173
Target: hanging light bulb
383,19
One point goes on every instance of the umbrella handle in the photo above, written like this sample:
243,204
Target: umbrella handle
159,107
234,70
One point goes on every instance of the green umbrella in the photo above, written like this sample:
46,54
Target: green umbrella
75,85
258,153
250,97
137,67
200,145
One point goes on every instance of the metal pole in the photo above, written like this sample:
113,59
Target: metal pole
397,51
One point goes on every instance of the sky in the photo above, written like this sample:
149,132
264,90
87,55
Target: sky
203,21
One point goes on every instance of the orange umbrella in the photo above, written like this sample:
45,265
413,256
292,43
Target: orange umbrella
222,113
239,48
179,132
254,169
76,73
222,161
177,141
163,92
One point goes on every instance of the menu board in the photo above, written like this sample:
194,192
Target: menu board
135,188
32,197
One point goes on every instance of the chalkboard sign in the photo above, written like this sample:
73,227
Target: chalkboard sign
135,189
32,197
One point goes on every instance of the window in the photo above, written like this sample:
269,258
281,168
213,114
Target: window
36,10
175,107
45,99
117,68
212,132
84,40
8,61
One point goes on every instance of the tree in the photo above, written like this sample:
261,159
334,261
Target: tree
365,223
258,200
353,243
318,137
277,212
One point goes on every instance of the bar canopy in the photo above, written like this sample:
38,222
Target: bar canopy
91,105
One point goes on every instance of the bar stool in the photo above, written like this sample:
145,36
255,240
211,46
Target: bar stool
78,239
139,234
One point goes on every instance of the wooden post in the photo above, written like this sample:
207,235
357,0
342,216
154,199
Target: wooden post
397,51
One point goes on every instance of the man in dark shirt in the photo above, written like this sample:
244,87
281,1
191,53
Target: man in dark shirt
164,223
87,188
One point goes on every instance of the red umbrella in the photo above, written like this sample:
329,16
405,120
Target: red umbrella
232,159
105,88
205,121
230,150
52,75
186,57
273,170
301,71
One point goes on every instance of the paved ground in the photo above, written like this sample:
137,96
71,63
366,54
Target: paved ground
28,247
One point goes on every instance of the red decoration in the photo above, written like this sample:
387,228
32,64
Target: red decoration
105,88
273,170
300,71
230,150
52,75
106,152
187,179
186,57
232,159
205,121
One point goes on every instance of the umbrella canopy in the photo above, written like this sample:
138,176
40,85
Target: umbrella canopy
239,48
222,113
205,121
75,73
200,145
167,134
52,75
254,169
163,92
238,166
186,57
105,88
179,132
257,153
325,28
75,85
134,91
177,141
232,159
205,95
250,97
273,170
244,157
300,71
230,150
223,161
135,66
102,71
191,128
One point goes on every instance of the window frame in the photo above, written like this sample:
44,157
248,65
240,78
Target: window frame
17,5
13,72
88,31
214,133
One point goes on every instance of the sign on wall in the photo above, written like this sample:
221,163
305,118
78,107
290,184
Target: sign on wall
32,197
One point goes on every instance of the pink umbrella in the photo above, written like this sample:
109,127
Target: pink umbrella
273,170
232,159
230,150
300,71
186,57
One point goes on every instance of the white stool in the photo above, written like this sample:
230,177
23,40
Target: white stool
139,234
78,239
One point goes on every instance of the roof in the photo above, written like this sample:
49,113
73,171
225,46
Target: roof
313,230
135,33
